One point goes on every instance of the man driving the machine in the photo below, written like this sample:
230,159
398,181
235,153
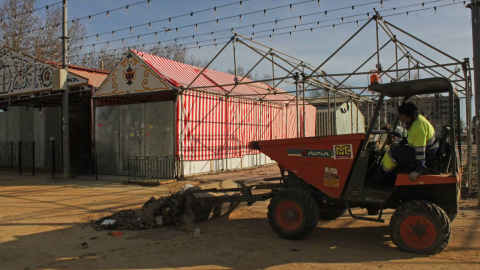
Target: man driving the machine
421,145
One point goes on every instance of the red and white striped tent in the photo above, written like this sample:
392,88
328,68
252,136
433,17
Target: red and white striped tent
214,119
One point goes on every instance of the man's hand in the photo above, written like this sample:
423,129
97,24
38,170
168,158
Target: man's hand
413,175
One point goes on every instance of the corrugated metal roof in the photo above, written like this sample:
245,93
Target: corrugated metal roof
95,77
179,74
324,108
324,100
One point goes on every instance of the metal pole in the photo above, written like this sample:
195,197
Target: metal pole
65,115
475,6
379,67
329,118
303,107
296,106
396,58
468,112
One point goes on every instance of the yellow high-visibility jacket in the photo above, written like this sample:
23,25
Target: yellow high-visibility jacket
421,136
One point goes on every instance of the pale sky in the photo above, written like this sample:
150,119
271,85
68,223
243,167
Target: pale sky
448,28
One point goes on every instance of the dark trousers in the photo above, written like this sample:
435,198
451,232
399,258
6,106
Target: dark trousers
404,156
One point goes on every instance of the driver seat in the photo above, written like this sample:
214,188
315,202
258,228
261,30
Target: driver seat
441,164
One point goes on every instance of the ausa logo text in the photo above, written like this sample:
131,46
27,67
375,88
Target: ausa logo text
317,153
343,151
310,153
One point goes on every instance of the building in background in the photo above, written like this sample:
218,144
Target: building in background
339,116
434,108
30,109
153,107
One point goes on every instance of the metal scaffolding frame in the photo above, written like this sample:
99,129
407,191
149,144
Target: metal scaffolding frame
308,77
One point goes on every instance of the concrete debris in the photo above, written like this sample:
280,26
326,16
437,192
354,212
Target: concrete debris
165,211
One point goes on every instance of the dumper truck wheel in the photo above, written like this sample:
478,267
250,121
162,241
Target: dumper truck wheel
420,227
292,213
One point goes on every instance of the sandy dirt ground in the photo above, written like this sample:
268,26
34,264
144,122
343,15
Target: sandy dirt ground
44,221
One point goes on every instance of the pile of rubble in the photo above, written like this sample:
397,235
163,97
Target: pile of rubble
165,211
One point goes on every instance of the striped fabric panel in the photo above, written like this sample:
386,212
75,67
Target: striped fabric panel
215,127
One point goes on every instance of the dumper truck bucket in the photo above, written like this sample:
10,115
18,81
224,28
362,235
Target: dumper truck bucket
322,162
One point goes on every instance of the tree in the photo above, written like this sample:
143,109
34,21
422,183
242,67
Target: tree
24,30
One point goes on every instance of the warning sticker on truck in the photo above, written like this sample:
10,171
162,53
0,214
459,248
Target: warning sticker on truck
331,180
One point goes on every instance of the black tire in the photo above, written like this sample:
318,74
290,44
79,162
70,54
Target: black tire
420,227
292,213
330,211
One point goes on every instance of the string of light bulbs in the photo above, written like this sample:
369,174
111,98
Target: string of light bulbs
126,9
275,30
300,17
14,16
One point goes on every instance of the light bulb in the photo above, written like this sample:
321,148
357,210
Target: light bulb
334,27
196,26
240,17
113,33
240,4
276,22
108,13
149,25
97,36
264,13
215,10
291,7
169,20
435,10
343,20
300,19
131,30
381,4
358,24
319,3
126,8
326,13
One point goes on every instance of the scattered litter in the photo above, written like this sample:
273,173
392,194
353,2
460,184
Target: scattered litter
159,220
115,233
94,238
294,249
197,232
108,222
165,211
186,187
84,245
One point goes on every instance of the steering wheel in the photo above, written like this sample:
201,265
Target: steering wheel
392,132
382,151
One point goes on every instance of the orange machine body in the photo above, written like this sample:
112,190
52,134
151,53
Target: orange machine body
323,162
